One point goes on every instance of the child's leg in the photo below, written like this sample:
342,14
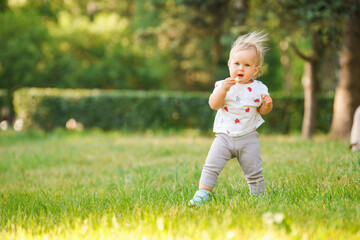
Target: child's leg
250,161
204,187
219,154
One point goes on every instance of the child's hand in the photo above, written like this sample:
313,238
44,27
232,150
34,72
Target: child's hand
228,83
267,100
267,104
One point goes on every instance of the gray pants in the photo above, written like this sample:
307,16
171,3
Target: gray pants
247,151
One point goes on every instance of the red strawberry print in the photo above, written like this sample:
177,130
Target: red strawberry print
249,88
237,120
228,131
247,110
257,100
226,109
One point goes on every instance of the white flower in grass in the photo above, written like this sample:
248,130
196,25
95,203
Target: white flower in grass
114,222
230,235
273,218
160,224
268,218
278,218
268,236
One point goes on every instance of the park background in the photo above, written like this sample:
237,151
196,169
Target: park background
105,123
182,46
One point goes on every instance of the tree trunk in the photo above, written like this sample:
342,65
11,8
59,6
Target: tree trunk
241,10
311,85
310,100
216,48
347,94
91,10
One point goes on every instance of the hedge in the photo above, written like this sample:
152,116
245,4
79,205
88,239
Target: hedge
134,110
139,110
287,114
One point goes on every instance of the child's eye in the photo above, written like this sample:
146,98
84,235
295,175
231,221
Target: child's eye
247,65
237,64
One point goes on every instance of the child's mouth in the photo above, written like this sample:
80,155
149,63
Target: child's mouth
240,75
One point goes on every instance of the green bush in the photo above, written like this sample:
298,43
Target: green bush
140,110
287,114
135,110
22,38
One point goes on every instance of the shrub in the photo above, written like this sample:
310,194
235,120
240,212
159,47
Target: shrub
22,37
140,110
112,109
288,112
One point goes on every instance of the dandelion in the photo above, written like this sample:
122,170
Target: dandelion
114,222
278,218
160,223
230,235
268,218
273,218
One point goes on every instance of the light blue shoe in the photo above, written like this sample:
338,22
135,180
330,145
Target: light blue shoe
200,197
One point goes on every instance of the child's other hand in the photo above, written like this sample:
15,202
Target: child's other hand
266,105
228,83
266,100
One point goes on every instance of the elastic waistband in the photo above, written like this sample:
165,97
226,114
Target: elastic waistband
238,137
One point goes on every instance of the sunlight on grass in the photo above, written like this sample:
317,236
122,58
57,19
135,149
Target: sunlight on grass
95,185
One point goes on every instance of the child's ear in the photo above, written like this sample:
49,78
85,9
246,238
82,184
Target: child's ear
257,68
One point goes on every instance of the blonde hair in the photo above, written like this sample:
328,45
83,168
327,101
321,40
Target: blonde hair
255,40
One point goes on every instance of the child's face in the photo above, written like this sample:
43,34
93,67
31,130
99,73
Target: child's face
244,65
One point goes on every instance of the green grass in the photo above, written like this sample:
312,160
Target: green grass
95,185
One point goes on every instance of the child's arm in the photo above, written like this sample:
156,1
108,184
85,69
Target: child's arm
266,105
216,99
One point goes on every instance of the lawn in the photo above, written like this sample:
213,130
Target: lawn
113,185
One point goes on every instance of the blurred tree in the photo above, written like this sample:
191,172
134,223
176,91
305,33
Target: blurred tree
3,5
193,33
320,22
347,95
22,39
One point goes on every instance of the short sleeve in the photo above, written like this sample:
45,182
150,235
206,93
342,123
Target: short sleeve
263,88
266,90
218,85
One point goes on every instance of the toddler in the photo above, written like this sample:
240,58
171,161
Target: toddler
239,100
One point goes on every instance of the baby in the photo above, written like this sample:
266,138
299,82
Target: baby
239,100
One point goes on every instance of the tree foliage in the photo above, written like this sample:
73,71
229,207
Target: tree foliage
22,40
145,44
163,44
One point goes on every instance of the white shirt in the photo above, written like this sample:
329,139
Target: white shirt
239,114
